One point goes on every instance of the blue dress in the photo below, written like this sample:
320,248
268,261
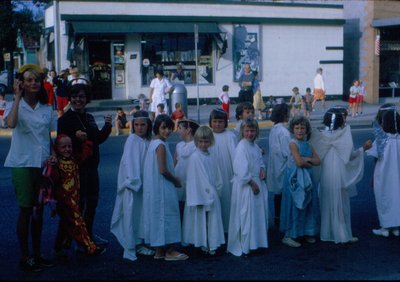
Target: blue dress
299,214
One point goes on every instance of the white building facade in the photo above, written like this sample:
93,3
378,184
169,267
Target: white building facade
119,44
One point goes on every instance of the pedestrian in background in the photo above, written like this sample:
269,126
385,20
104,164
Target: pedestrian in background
354,92
61,83
202,224
296,101
248,224
162,223
246,83
224,99
319,89
258,101
360,97
81,126
127,218
308,103
341,168
32,121
279,154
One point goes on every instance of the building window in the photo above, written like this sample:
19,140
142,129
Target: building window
166,50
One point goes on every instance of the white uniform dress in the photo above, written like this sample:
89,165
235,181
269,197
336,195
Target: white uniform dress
248,225
341,168
278,156
202,220
159,96
183,151
387,181
162,223
127,217
224,150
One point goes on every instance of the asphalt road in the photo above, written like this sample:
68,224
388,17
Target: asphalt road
372,258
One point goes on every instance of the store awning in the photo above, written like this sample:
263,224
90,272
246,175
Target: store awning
386,22
140,27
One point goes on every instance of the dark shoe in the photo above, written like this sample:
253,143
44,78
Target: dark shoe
30,265
42,262
99,241
98,252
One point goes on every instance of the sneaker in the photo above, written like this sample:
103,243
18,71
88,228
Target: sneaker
395,232
381,232
353,240
30,265
98,252
290,242
99,241
41,261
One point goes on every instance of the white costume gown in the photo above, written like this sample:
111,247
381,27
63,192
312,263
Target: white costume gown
202,220
127,221
341,168
278,156
387,181
224,150
248,225
162,223
183,151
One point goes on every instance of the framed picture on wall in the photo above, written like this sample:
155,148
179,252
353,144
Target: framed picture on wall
246,48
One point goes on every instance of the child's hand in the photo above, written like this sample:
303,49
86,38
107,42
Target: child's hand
262,174
367,145
254,187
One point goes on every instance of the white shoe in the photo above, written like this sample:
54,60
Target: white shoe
310,239
381,232
353,240
395,232
290,242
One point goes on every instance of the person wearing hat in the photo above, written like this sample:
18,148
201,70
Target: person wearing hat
32,121
61,82
81,126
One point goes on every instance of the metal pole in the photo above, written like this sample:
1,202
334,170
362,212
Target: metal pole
196,40
57,37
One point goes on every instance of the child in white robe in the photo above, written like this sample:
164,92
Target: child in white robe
223,149
244,111
341,168
127,221
162,223
279,154
184,149
202,223
248,225
386,148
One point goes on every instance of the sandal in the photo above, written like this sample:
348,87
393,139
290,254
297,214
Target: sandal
145,251
180,256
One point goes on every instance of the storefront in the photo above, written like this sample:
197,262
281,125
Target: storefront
118,45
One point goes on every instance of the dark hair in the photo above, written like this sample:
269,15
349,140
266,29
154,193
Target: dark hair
218,114
342,109
225,88
145,115
76,88
308,89
161,105
389,123
241,107
295,89
177,104
159,120
187,123
280,113
249,122
159,71
339,118
119,109
300,120
383,109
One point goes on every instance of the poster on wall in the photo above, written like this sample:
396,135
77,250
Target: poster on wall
246,49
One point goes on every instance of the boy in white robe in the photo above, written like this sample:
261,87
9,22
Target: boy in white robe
248,225
341,168
223,149
202,223
127,217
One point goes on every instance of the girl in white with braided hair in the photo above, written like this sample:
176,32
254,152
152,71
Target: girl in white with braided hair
341,168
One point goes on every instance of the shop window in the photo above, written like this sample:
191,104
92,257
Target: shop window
166,50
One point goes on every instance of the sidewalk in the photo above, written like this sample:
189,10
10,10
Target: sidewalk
202,115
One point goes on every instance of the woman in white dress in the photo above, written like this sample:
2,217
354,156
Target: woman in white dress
248,224
159,87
